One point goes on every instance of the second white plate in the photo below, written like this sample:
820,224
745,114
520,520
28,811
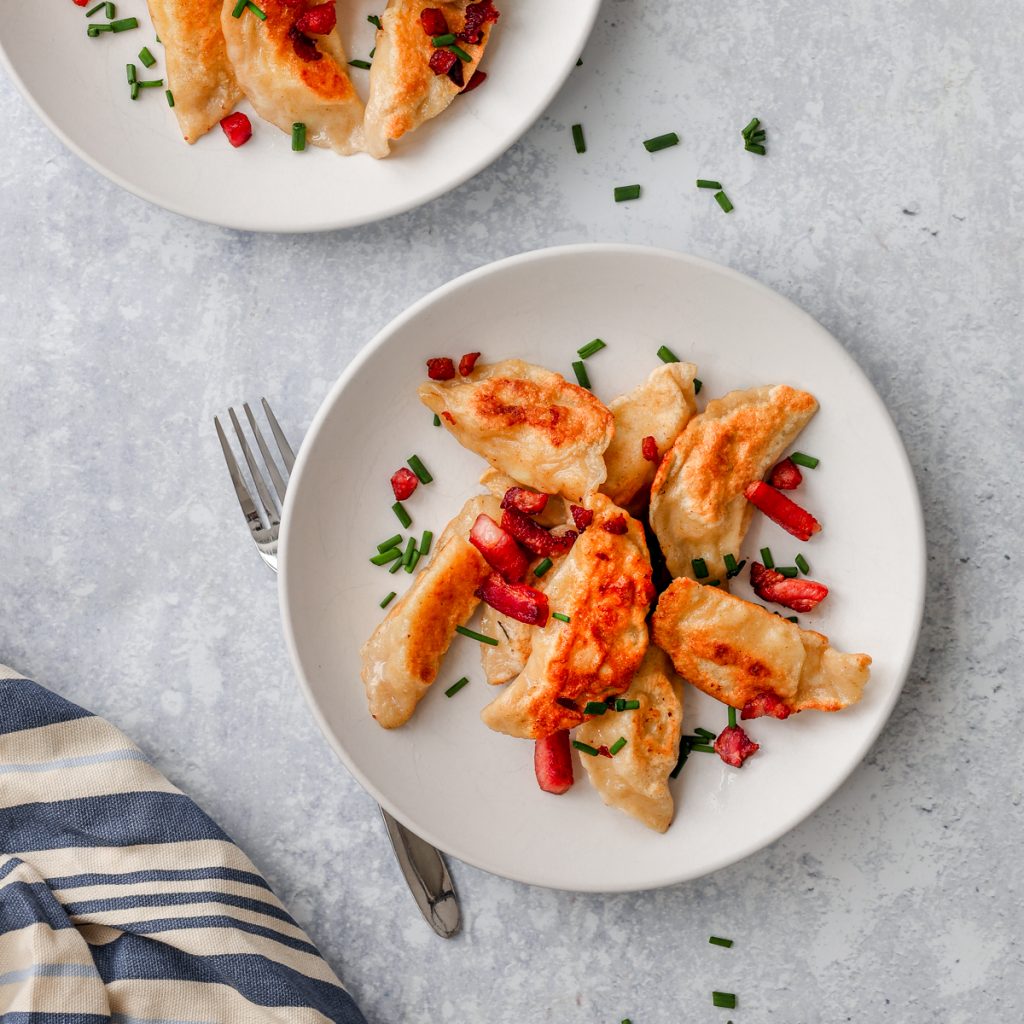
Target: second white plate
471,791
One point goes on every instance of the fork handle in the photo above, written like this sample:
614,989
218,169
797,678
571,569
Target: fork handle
427,877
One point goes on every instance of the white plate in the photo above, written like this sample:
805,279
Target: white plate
78,87
471,791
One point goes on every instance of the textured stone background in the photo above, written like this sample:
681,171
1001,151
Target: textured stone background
890,208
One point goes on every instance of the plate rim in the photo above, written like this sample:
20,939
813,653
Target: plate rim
472,169
917,544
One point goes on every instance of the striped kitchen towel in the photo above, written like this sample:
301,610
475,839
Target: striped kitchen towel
121,902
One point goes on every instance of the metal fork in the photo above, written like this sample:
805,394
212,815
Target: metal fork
422,865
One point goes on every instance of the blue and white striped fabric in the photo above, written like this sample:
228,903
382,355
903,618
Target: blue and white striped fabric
121,902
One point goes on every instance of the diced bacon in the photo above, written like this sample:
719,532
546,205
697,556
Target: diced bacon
734,746
528,502
649,448
237,128
434,22
552,762
604,751
779,509
582,517
80,3
617,525
799,594
535,538
294,3
455,74
475,80
441,368
441,62
765,704
786,476
477,15
467,362
516,600
304,47
446,415
403,483
499,548
318,20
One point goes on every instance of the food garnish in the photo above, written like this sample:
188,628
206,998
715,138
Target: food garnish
542,567
734,746
416,464
475,80
802,564
552,762
479,637
661,142
441,368
708,183
781,510
623,193
526,501
236,127
433,21
786,476
468,361
387,600
561,616
765,705
403,483
581,517
403,516
774,585
582,377
298,137
500,550
723,201
666,355
590,348
577,138
534,537
455,687
649,448
807,461
616,524
716,940
724,999
518,601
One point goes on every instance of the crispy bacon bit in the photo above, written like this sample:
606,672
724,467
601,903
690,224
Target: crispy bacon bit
434,22
237,128
535,538
604,751
786,476
442,61
734,746
449,417
455,74
294,3
499,548
440,369
475,80
566,702
477,15
779,509
765,703
467,362
516,600
403,483
649,448
304,47
582,517
617,524
528,502
552,762
318,20
80,3
799,594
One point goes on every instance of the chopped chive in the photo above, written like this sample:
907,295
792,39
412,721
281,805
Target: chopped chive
476,636
716,941
561,617
170,97
759,136
793,619
124,24
364,64
410,547
577,138
579,62
590,348
704,748
713,583
106,7
148,60
789,571
455,687
437,420
386,556
706,733
708,183
256,10
595,707
411,564
391,542
585,748
582,377
94,30
426,541
542,567
630,705
130,71
755,147
135,90
726,999
460,53
236,11
732,568
732,716
156,83
623,193
697,385
373,20
403,517
751,127
666,355
416,465
684,753
723,201
298,137
445,40
801,564
396,565
93,10
372,52
661,142
807,461
700,568
387,600
766,558
617,746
